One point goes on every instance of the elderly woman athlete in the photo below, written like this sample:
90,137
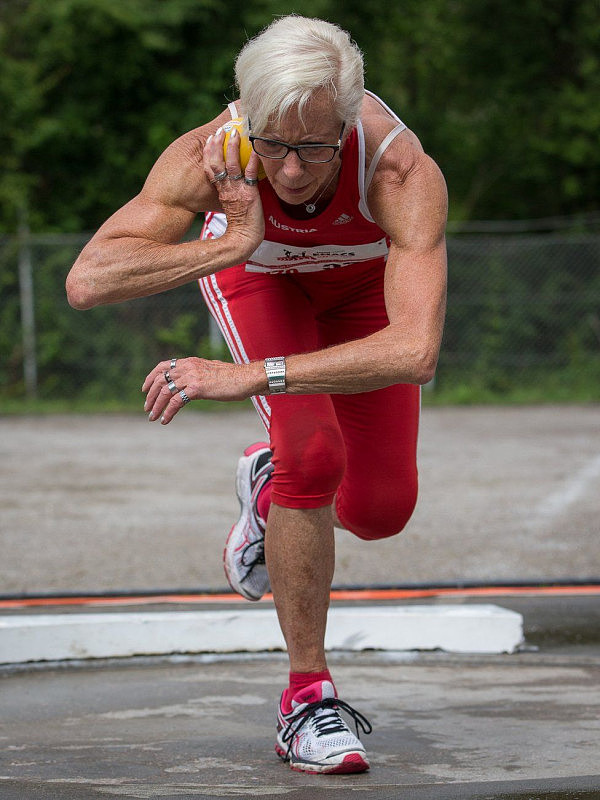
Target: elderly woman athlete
324,263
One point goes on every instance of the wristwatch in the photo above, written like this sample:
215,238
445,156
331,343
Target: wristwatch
275,369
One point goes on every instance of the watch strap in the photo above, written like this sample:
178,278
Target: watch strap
275,369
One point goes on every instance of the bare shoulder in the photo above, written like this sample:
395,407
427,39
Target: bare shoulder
407,196
377,122
178,178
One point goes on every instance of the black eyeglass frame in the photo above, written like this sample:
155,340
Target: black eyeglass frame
297,148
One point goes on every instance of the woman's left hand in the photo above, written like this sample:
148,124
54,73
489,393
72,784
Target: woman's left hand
173,384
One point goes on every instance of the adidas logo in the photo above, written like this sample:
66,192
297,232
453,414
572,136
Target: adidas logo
343,219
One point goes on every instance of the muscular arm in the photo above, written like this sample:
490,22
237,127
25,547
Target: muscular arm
411,208
138,252
410,204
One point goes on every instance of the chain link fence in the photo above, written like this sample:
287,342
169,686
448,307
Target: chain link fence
523,311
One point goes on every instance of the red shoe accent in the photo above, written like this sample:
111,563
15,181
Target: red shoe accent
252,448
353,762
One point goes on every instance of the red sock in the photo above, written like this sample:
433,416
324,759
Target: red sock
300,680
263,501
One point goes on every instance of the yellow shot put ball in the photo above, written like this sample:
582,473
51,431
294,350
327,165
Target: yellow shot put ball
245,146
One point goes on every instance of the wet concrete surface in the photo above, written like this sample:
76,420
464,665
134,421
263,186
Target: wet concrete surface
446,726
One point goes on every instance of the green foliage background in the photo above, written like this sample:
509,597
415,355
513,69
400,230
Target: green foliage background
504,94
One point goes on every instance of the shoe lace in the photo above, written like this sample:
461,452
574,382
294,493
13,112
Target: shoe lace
252,555
325,724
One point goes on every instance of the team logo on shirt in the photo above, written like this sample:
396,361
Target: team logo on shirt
343,219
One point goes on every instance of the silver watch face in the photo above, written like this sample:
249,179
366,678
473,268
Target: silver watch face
275,370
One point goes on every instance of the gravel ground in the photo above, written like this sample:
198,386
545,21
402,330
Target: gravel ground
109,502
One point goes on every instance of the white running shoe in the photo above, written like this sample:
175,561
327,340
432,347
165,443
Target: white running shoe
314,738
244,553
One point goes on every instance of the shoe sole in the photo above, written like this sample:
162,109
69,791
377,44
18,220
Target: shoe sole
352,762
245,500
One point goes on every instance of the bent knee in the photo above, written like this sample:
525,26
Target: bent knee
309,468
381,516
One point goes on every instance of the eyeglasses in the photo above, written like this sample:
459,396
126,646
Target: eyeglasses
311,153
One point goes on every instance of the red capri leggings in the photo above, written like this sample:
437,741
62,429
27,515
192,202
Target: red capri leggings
359,449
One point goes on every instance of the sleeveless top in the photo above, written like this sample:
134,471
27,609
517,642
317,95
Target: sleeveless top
344,233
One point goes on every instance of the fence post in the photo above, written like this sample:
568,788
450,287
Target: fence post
27,305
215,338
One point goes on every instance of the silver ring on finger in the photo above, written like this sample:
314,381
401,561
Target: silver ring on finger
184,397
173,362
220,176
172,387
236,177
251,181
167,376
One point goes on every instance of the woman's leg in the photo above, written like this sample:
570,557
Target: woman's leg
264,316
379,489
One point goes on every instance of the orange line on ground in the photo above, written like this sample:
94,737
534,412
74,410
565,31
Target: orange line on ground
122,600
476,591
336,594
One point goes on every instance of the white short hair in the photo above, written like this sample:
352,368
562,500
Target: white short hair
290,61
